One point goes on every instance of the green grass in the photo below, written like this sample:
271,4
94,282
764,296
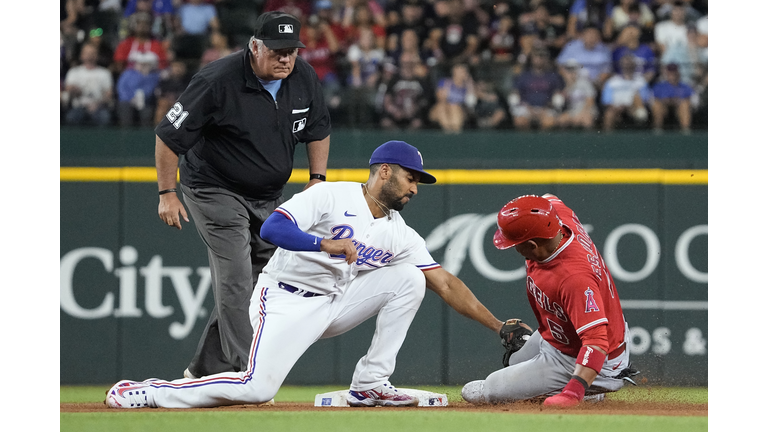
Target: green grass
389,420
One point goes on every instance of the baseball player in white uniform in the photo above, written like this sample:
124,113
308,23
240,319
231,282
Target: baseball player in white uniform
344,255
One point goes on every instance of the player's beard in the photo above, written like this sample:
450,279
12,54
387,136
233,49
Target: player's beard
390,197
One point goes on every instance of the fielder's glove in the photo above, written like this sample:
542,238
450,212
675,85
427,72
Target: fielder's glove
514,333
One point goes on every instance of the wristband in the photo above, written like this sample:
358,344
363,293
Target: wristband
317,176
591,358
163,192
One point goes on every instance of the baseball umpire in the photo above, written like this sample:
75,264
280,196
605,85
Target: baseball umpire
345,254
580,346
237,126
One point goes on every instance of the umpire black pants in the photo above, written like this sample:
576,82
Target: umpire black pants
229,225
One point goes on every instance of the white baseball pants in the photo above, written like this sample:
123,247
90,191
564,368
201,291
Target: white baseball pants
286,324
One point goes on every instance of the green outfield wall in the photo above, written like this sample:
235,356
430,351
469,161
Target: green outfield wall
135,293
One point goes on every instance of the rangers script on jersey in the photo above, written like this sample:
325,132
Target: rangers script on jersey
338,210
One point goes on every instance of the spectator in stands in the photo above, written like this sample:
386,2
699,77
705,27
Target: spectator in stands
502,40
455,37
629,12
702,38
580,104
677,42
531,101
489,112
541,31
358,15
671,93
701,74
140,41
194,21
589,52
481,16
88,91
589,12
455,99
411,14
328,13
172,83
664,10
407,97
628,42
320,52
105,51
196,17
63,61
301,9
625,93
365,61
409,43
136,92
217,48
162,11
68,26
646,32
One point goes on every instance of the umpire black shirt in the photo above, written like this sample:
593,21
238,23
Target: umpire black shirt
234,135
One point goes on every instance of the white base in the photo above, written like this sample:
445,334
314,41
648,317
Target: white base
339,398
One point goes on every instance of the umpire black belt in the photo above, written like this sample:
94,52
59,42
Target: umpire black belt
298,291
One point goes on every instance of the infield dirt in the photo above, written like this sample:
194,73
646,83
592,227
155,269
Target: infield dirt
602,408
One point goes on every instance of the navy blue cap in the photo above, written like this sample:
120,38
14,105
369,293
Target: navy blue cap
403,154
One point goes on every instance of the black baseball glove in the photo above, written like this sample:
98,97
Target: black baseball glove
514,333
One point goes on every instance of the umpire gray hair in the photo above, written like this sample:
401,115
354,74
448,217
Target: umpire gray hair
259,44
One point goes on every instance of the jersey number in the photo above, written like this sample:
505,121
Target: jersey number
558,332
176,115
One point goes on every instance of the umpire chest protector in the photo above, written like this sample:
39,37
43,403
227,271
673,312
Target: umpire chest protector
234,135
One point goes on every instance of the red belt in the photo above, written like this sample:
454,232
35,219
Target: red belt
617,352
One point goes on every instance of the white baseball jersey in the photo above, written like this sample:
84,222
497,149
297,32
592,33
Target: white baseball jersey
338,210
350,294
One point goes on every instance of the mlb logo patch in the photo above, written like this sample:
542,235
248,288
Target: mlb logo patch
326,402
299,124
285,28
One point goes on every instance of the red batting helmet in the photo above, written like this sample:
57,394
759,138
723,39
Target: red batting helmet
524,218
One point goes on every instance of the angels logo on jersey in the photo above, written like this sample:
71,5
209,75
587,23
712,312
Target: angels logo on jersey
591,303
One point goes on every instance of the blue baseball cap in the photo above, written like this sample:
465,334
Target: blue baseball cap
403,154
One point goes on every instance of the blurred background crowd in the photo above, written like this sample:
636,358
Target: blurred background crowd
449,65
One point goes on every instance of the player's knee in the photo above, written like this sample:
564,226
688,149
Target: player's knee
257,394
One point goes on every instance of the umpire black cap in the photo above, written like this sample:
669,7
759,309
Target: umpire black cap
278,30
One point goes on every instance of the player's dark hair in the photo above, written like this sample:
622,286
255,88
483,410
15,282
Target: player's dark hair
375,168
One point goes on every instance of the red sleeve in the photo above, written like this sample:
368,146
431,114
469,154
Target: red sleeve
596,336
584,306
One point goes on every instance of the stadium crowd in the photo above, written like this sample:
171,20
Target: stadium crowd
408,64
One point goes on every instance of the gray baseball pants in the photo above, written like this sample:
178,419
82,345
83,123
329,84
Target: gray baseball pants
539,369
229,225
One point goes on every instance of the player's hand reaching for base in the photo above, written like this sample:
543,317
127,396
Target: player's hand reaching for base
170,208
340,247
